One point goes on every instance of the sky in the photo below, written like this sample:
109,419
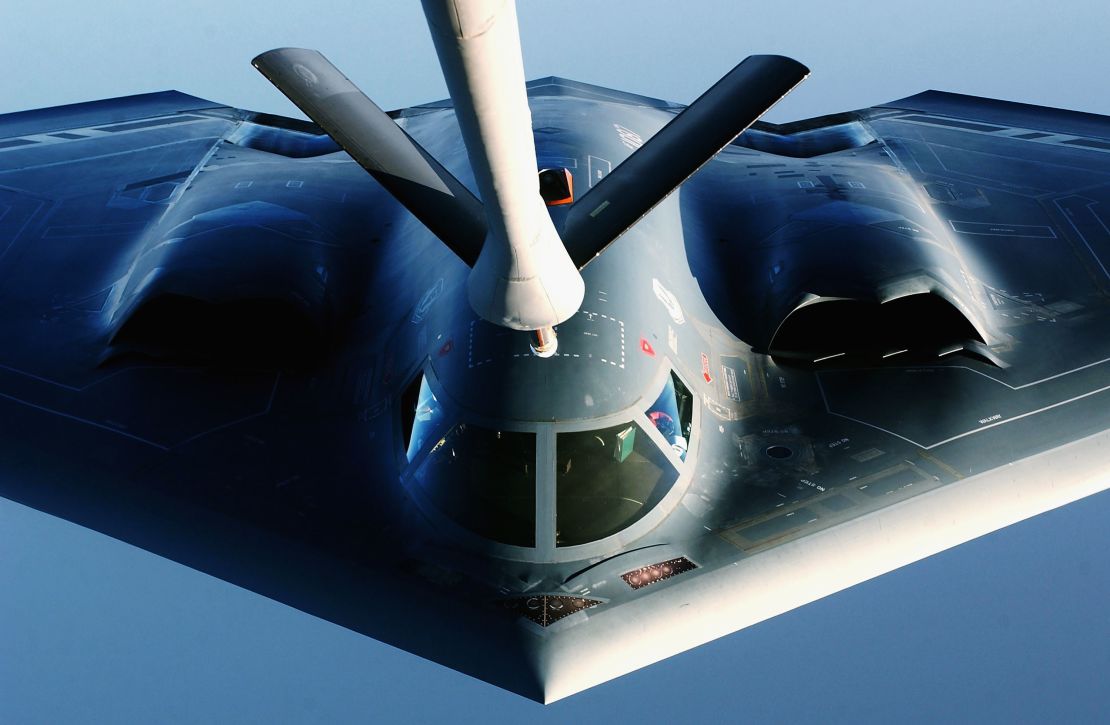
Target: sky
1011,627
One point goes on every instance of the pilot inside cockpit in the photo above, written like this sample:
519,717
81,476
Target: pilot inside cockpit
670,414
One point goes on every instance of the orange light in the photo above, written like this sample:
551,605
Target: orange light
556,186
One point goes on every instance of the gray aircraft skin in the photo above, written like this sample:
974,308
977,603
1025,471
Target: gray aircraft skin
225,343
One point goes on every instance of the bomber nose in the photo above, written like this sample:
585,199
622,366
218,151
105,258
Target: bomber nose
548,487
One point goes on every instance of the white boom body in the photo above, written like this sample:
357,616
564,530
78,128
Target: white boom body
523,279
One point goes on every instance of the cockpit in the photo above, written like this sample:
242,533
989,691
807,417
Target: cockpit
548,485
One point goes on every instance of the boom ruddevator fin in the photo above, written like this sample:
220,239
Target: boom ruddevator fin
679,149
379,145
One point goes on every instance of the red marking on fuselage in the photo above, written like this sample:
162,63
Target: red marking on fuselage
705,368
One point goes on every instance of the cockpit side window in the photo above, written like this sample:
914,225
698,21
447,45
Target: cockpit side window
427,421
672,414
606,480
484,480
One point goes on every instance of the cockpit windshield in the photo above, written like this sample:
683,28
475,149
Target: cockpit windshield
606,480
427,419
485,481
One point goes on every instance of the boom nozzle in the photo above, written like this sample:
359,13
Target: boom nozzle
544,342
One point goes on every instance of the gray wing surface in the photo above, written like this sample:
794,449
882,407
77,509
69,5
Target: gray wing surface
989,165
884,460
94,171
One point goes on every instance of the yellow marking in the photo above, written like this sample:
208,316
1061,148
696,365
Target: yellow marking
599,209
940,464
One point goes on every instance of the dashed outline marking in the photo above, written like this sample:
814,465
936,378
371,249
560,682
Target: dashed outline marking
470,363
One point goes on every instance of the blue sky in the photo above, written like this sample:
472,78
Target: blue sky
1011,627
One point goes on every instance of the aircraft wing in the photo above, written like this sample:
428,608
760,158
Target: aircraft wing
119,218
216,326
94,171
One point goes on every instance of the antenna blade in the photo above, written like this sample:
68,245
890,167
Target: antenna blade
380,146
679,149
